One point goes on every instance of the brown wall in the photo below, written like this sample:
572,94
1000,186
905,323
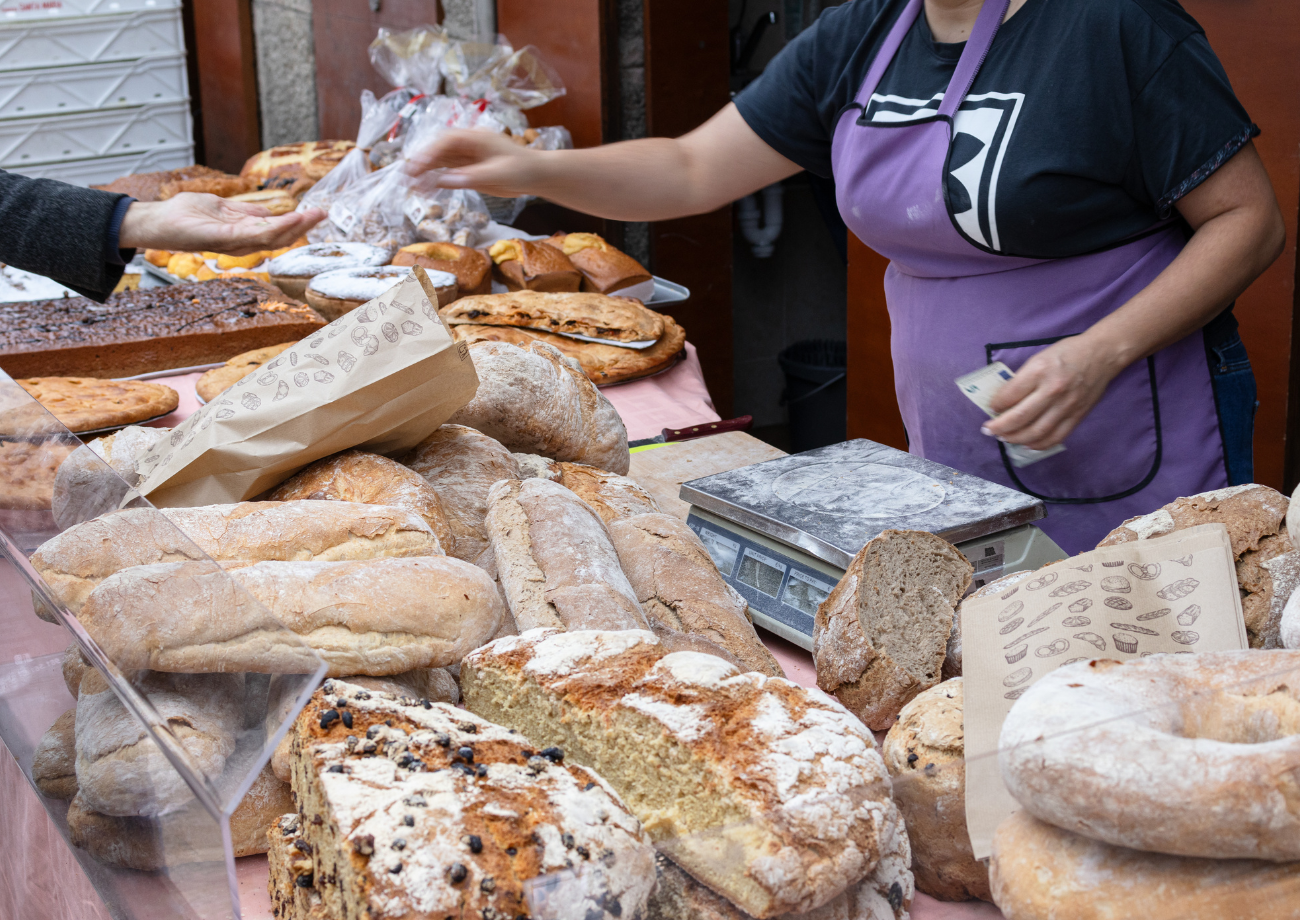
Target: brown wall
226,94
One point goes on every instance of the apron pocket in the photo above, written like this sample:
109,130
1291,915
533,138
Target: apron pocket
1113,453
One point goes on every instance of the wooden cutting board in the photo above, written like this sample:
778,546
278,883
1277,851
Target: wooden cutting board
662,470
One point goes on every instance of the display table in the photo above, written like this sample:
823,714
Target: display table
41,878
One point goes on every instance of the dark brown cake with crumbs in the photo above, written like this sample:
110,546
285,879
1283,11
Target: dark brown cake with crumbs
155,329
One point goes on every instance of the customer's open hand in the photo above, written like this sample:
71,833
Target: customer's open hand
194,222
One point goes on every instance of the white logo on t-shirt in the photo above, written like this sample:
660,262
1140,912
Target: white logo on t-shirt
981,132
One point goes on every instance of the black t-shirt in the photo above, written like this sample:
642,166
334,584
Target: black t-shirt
1100,114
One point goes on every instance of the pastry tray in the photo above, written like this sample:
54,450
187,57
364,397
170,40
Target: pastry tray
100,432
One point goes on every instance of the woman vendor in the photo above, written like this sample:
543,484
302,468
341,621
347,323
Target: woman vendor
1068,187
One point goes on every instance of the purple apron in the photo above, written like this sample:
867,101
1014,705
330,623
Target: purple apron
954,307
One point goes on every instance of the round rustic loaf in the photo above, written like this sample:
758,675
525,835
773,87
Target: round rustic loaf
1190,755
925,752
1038,871
54,765
84,488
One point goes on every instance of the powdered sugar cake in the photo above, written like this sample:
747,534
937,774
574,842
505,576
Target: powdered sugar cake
420,811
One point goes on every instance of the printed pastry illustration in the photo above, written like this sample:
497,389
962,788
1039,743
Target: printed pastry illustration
1041,582
1011,627
1124,643
1014,656
1185,636
1178,590
1118,603
1011,610
1154,614
1026,637
1092,639
1116,584
1076,622
1189,616
1017,677
1053,648
1071,587
1048,612
1080,605
1148,572
1129,627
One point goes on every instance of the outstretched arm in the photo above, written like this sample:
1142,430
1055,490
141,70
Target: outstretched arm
650,179
195,222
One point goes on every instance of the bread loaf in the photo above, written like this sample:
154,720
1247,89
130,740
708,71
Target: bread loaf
54,765
121,771
77,560
1255,516
610,495
679,588
434,812
216,381
924,753
536,401
555,560
772,795
525,265
604,268
291,881
461,465
375,616
881,636
360,476
74,668
84,489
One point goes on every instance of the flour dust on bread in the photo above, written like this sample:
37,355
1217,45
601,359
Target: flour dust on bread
681,591
771,795
610,495
536,401
1255,517
77,560
555,560
882,635
94,478
54,764
424,810
461,464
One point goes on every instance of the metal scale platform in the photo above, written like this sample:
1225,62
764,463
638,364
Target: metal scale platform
782,532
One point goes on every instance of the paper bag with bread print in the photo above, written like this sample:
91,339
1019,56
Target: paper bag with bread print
382,377
1175,594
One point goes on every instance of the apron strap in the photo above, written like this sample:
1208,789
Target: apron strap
972,56
885,56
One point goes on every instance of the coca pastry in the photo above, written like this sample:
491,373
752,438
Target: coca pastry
216,381
618,319
343,290
153,329
88,403
293,271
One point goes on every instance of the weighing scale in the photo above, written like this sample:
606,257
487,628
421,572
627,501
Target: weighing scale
782,532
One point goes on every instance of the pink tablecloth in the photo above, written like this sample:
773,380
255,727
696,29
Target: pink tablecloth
677,398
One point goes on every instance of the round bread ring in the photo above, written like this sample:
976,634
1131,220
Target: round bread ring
338,292
1189,755
472,269
1038,870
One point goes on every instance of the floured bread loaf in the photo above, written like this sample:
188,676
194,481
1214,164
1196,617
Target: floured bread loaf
376,616
1255,516
291,882
881,636
433,684
54,765
681,591
360,476
610,495
74,668
555,560
433,812
925,752
83,489
77,560
461,464
537,401
121,771
1040,871
772,795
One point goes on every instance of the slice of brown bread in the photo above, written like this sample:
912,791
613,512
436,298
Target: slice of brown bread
291,881
1255,516
881,636
772,795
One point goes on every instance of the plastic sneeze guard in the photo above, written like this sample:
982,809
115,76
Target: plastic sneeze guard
158,809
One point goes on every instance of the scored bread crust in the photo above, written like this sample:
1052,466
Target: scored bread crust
77,560
534,400
620,319
925,752
54,764
423,788
881,636
1038,870
371,479
610,495
372,616
772,795
679,587
555,560
1255,517
461,465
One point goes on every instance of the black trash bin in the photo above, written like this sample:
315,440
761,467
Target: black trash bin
816,392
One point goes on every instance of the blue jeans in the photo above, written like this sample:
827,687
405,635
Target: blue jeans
1234,398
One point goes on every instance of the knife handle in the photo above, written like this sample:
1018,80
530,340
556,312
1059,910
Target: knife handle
743,423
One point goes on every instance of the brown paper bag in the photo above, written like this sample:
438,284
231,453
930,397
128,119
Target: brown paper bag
1174,594
382,377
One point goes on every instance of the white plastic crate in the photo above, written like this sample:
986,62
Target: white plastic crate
90,40
65,90
29,141
102,170
48,9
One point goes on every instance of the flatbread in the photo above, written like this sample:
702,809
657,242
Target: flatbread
603,364
90,403
619,319
216,381
27,471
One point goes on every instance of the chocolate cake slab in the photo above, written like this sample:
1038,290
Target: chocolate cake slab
138,332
